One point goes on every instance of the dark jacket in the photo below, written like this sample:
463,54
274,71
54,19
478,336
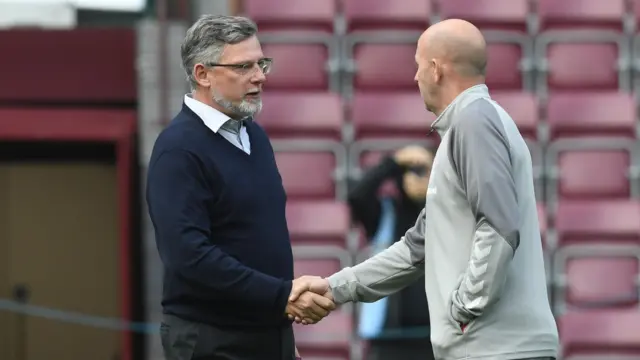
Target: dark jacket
407,308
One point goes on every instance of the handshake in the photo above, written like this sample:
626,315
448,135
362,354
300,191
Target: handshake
310,301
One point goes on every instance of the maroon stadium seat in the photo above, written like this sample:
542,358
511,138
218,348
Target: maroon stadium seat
307,174
316,267
291,14
568,69
602,334
602,281
328,339
591,14
597,222
503,66
387,14
297,66
318,222
523,108
298,115
488,14
592,174
592,114
377,70
390,115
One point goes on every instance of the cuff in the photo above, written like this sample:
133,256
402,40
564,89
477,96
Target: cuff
341,284
283,296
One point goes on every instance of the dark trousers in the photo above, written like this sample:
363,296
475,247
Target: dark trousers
187,340
405,349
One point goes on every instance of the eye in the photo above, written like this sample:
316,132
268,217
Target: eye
245,66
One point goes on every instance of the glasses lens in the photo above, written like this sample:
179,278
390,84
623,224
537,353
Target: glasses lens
265,65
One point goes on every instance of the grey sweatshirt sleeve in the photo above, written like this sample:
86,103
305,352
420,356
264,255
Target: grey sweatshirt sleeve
480,154
385,273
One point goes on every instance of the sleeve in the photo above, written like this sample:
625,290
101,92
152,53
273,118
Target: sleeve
363,198
178,198
480,154
385,273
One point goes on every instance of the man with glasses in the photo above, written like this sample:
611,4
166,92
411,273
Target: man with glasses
217,204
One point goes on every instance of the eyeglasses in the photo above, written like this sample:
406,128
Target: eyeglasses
245,68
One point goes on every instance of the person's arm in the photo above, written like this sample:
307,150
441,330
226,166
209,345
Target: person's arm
178,197
363,196
480,154
384,274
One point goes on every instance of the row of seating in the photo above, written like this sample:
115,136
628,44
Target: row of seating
325,115
593,260
586,173
360,59
523,15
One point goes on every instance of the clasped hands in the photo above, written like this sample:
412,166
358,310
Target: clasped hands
310,301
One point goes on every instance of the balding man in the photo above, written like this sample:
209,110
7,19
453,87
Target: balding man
478,245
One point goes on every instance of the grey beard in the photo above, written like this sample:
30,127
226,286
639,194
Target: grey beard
242,110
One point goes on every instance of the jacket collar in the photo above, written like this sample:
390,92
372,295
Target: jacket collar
447,117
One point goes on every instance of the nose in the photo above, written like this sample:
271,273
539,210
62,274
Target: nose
258,77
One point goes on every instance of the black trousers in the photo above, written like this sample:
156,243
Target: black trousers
401,349
187,340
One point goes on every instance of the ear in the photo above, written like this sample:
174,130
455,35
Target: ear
436,70
201,74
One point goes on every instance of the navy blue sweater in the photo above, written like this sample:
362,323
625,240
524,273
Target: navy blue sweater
219,218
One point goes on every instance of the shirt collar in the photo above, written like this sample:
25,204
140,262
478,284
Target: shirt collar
212,118
443,122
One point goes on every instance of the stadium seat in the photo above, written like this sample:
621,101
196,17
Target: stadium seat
386,14
329,339
307,174
390,115
488,14
317,267
560,58
294,115
376,70
590,14
273,15
603,222
605,334
319,223
384,121
601,281
523,108
571,114
504,66
589,174
298,66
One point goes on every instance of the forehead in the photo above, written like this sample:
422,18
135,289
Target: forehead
247,50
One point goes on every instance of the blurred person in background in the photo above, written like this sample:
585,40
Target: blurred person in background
396,326
217,204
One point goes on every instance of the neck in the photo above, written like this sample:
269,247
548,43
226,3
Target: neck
457,88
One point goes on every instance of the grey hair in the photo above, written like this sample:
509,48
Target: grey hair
206,39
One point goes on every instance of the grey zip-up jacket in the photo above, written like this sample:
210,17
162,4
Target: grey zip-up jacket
477,242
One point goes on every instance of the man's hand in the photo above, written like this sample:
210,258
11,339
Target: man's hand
314,284
309,308
310,300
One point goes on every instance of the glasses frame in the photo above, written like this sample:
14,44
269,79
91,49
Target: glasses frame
244,67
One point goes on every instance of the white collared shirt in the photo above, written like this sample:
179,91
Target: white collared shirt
214,120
